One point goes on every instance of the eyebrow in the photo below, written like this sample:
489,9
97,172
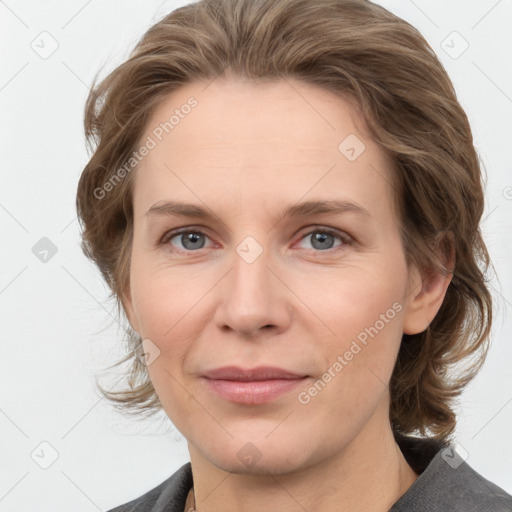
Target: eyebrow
178,209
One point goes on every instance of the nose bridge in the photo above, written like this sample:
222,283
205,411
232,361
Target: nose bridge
251,297
250,273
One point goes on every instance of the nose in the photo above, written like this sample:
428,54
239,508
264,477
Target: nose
253,298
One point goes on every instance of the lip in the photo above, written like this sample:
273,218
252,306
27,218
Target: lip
252,392
251,386
254,374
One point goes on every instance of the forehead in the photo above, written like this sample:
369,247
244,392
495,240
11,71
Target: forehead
274,114
240,139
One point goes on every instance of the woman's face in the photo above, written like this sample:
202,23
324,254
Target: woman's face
255,287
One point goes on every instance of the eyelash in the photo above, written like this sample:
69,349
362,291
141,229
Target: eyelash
345,239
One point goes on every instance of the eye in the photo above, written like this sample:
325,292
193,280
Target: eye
322,239
191,240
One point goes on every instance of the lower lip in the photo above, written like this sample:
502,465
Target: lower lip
252,392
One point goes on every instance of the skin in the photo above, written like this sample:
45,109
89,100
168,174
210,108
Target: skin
246,152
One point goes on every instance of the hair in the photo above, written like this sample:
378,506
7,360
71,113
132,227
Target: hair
383,65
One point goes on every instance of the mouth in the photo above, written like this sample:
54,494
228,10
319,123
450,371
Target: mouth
251,386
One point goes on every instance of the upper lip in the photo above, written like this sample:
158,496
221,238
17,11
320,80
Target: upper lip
253,374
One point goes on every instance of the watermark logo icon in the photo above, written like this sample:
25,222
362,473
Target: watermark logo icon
351,147
44,455
44,44
454,45
44,250
249,249
147,352
454,455
249,455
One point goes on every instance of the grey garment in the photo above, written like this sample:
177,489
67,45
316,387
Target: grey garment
446,483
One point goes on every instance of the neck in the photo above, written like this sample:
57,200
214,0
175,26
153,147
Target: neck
370,473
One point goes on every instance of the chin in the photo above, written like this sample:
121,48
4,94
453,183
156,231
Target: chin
262,455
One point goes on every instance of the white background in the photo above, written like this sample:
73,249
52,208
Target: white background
59,330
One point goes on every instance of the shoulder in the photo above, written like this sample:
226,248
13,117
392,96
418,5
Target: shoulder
169,496
450,483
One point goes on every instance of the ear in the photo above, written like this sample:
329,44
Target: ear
426,292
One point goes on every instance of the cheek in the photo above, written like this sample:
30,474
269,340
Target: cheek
362,312
163,296
165,302
358,360
354,298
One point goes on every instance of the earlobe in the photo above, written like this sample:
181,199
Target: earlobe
427,293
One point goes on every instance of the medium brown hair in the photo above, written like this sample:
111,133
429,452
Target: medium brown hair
363,53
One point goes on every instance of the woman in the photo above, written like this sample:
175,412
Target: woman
239,138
